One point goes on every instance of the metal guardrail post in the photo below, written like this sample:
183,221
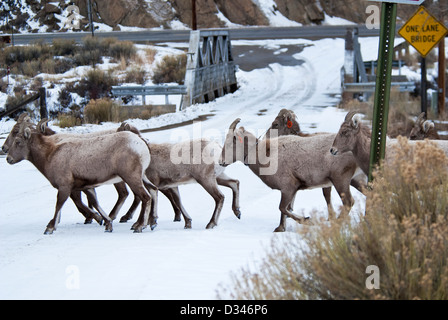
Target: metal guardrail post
383,81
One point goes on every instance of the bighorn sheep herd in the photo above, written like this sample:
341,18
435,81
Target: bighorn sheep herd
286,159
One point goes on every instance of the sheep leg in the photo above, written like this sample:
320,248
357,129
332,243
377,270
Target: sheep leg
91,197
122,195
174,196
285,205
145,197
87,212
128,216
327,196
153,191
282,226
177,210
212,188
360,184
62,196
153,216
107,220
224,180
343,190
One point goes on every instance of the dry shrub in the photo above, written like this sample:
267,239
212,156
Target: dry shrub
96,84
403,235
68,120
101,110
135,75
150,54
170,69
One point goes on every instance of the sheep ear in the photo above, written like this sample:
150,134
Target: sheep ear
355,121
239,134
27,133
427,125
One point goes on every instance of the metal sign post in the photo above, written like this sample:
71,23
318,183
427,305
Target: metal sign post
383,80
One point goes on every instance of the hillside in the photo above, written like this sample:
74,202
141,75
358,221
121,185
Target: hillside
44,16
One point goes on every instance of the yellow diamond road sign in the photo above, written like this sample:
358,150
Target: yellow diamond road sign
423,31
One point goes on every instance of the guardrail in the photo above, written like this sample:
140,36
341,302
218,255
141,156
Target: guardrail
150,91
369,87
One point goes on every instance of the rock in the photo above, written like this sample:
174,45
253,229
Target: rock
243,12
125,12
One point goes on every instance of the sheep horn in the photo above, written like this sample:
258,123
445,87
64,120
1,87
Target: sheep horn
23,118
234,123
421,118
42,125
350,115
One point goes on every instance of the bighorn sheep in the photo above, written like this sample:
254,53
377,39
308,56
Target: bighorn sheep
81,164
87,212
198,164
423,129
120,186
289,164
286,124
355,137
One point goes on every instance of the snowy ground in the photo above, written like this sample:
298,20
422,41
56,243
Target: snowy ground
82,261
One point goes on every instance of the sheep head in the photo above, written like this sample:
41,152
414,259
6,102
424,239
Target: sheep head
345,139
285,123
20,147
24,118
422,129
237,146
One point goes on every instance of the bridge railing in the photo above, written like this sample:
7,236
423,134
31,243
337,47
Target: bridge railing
144,91
210,67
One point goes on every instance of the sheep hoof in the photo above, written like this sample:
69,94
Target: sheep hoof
153,226
88,221
307,221
211,225
108,228
279,229
124,219
49,231
138,228
237,213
